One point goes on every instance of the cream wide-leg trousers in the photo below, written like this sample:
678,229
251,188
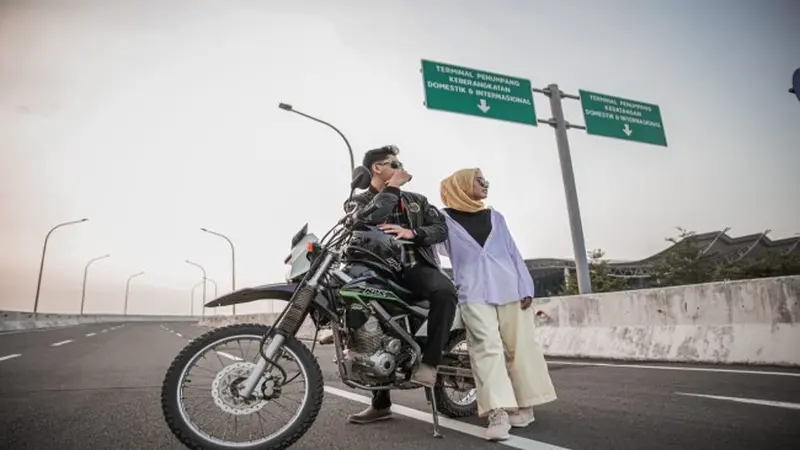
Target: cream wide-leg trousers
508,364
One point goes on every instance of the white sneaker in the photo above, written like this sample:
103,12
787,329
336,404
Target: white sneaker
522,418
498,426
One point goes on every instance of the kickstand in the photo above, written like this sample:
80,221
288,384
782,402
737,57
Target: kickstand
436,432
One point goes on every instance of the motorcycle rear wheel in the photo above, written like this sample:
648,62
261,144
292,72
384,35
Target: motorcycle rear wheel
171,391
444,403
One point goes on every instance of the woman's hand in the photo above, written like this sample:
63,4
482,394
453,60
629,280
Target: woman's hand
526,303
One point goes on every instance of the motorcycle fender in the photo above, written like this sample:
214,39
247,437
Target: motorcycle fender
275,291
458,324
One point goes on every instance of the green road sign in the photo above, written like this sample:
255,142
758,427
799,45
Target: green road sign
622,118
477,93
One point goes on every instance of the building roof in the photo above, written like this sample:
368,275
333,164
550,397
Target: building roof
715,242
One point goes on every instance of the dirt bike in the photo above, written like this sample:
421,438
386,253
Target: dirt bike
347,281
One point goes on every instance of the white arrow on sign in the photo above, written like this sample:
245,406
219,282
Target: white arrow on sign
627,129
483,106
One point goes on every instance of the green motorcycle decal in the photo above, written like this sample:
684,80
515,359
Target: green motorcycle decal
363,293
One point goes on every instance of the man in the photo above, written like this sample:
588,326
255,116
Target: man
409,216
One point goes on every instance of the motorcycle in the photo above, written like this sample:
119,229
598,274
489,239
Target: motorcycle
348,282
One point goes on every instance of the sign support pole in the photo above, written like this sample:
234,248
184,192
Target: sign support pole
568,176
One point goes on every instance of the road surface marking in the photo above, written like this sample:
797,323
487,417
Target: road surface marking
3,358
229,356
91,334
59,344
446,422
752,401
104,331
693,369
178,334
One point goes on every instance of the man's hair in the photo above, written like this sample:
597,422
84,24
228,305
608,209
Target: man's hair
378,154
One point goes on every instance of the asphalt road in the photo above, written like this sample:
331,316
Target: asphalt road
97,387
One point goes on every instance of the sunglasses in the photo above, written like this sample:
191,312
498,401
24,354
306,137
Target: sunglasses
392,164
483,182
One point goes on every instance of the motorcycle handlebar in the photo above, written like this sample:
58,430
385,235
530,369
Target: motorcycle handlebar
366,211
356,216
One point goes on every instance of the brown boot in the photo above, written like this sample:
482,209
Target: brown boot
425,375
370,415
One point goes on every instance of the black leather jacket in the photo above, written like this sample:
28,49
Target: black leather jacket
423,218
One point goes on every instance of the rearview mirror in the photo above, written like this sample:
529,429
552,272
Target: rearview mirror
361,178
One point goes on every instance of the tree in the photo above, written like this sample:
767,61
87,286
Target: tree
686,262
600,274
771,264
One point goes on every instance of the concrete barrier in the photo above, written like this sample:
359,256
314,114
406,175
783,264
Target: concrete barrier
18,320
747,322
307,330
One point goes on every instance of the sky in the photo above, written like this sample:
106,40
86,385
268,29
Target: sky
153,119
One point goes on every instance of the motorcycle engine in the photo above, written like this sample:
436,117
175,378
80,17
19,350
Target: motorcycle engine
371,355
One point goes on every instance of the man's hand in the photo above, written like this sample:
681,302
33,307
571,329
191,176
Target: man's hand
397,230
526,303
399,178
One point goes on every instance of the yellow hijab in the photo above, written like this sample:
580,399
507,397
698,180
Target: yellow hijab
456,191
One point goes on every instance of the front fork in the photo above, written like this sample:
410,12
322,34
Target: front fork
277,340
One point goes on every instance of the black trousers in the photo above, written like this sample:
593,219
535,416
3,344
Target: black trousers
427,282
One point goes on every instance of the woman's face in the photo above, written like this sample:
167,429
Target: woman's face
480,187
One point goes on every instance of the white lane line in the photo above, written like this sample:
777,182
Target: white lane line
104,331
445,422
691,369
178,334
59,344
752,401
229,356
90,334
3,358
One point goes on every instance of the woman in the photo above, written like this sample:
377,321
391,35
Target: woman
495,297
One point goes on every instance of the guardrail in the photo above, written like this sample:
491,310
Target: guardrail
20,320
733,322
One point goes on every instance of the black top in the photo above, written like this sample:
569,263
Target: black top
477,224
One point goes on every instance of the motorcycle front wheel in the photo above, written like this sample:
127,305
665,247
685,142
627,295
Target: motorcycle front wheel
273,392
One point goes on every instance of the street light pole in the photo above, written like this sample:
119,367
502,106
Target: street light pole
198,284
204,281
128,289
290,108
41,264
85,274
215,286
233,261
